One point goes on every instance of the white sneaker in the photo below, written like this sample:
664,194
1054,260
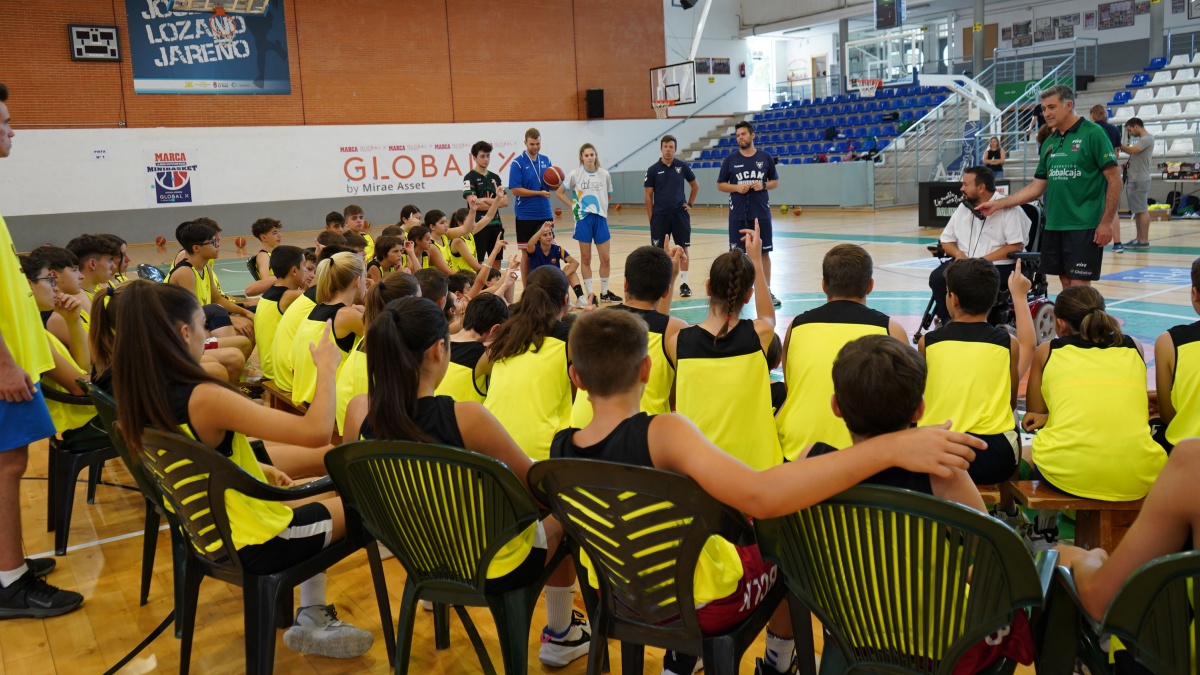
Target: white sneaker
425,605
559,650
581,302
317,630
385,552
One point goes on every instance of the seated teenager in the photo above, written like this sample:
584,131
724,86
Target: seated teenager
611,363
240,313
200,247
774,360
410,217
352,376
356,222
64,267
158,382
542,250
408,352
291,275
97,256
966,236
121,261
389,257
269,232
297,312
973,370
464,252
813,341
483,317
341,284
649,276
1086,398
1177,372
727,355
357,243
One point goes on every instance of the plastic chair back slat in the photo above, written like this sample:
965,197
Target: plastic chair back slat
1154,616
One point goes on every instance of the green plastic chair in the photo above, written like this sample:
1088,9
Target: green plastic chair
445,513
873,562
644,529
1152,615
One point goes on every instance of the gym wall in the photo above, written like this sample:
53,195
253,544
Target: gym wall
362,62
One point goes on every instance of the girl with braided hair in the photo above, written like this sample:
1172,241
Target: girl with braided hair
723,359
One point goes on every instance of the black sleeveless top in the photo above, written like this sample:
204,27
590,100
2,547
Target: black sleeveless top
323,313
627,444
891,477
435,416
311,293
995,154
466,354
178,395
274,293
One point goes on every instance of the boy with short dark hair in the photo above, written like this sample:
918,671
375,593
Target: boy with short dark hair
297,312
610,361
120,261
973,370
330,238
356,242
192,273
269,232
97,262
484,314
240,316
356,222
64,266
335,222
291,276
813,341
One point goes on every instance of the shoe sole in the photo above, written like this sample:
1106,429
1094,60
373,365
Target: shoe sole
9,613
336,648
564,658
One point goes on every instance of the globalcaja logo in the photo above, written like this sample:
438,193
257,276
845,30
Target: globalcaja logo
172,178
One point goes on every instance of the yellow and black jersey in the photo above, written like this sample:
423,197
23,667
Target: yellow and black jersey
460,382
1096,443
442,242
203,286
456,261
970,378
531,393
267,316
724,387
351,381
656,398
814,340
304,369
285,335
1185,383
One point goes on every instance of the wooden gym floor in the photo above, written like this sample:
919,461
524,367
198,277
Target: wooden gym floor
104,562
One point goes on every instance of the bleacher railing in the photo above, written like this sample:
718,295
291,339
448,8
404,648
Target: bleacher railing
682,120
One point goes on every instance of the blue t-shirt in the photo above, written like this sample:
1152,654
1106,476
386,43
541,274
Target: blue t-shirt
554,257
668,183
527,173
739,170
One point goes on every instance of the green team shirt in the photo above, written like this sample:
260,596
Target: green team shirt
475,183
1073,166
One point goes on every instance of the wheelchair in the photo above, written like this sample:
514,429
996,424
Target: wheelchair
1002,313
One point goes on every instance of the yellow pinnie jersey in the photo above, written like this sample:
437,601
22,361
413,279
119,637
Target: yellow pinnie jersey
656,398
267,316
460,382
285,335
1185,383
352,380
531,393
969,378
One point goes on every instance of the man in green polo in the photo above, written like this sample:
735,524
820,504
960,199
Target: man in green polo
1077,171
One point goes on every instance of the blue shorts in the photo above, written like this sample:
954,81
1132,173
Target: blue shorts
25,422
593,227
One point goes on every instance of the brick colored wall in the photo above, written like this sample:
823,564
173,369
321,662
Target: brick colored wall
366,62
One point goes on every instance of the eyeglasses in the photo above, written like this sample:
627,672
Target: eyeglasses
52,279
210,242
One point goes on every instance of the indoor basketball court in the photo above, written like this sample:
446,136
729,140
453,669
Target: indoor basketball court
237,110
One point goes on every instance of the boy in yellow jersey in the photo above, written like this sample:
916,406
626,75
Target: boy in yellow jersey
293,316
24,356
97,263
240,315
269,232
973,370
192,272
1177,371
64,267
612,364
356,222
649,276
814,339
483,316
291,276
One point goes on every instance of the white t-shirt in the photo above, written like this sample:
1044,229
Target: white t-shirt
977,238
591,191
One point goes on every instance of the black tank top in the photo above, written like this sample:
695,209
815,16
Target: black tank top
178,395
311,293
892,477
466,354
995,154
435,416
323,313
274,293
627,444
656,320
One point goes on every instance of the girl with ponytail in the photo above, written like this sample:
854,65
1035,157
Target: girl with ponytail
1087,396
341,283
530,390
727,354
408,353
158,381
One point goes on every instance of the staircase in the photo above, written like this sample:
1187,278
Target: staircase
722,129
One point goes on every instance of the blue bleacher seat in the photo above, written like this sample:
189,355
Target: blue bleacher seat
1139,80
852,120
802,149
808,160
793,125
910,102
842,146
883,144
839,121
908,115
939,99
1156,64
888,130
793,150
875,131
1120,98
836,159
859,108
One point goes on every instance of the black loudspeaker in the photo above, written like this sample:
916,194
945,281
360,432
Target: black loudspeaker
687,4
595,104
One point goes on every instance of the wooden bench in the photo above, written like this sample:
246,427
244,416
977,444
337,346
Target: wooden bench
990,493
1098,524
278,399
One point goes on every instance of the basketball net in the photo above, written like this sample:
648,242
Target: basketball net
868,88
660,108
222,27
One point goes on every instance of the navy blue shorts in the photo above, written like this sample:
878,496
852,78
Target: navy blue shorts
25,422
764,231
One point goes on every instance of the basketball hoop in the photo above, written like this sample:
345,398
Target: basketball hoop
222,27
868,87
660,108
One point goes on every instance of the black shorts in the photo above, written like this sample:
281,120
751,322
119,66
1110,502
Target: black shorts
526,230
525,574
764,232
1071,253
216,316
485,240
674,224
310,531
998,462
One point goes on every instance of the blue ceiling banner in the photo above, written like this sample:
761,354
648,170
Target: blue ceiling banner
203,53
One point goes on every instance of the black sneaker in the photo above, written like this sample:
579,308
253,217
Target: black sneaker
776,301
685,291
41,566
33,598
611,297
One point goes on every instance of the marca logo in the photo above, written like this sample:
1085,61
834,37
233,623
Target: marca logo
172,178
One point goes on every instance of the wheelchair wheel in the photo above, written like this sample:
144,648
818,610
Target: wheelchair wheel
1043,322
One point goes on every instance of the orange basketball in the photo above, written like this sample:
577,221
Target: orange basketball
160,240
797,211
618,207
553,177
240,242
557,212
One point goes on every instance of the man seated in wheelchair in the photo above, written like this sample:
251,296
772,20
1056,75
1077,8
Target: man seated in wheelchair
970,236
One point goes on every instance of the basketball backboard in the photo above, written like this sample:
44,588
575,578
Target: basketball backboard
675,83
889,58
230,6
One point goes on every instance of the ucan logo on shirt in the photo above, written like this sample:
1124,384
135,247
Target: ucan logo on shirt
172,179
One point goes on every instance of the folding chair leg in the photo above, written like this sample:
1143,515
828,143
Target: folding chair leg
383,601
51,488
185,612
179,562
802,632
94,474
513,613
65,474
404,627
149,544
441,626
261,596
633,659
